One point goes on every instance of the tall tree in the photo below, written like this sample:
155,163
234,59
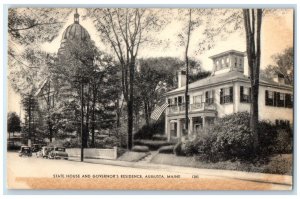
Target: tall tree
13,123
252,24
283,65
125,30
193,19
186,94
30,105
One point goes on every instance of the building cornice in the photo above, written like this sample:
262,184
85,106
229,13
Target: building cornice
279,86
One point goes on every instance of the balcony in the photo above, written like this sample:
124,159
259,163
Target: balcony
175,109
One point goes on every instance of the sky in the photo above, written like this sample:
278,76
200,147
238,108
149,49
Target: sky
277,34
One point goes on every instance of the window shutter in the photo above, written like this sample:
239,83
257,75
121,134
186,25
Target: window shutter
213,96
221,96
266,97
275,99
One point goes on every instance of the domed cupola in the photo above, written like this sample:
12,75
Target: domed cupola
75,33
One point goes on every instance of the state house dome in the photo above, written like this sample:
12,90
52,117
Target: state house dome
75,33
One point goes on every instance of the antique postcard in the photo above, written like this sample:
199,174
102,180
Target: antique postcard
150,98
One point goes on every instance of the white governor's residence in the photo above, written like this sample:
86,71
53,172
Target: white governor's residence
226,91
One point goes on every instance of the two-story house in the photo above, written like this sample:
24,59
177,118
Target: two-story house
226,91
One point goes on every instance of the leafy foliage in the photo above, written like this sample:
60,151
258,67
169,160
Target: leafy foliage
13,122
147,131
284,65
230,138
29,25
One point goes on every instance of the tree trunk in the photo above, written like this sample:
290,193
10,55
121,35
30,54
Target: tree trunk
130,104
87,117
187,73
252,25
146,113
93,117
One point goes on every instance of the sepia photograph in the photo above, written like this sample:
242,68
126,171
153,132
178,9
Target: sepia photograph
141,98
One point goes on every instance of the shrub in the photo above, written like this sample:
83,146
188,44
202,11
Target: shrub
147,131
274,139
229,138
178,149
166,149
283,141
152,144
140,148
110,142
267,134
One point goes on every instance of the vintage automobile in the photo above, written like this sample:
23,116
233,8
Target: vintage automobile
25,151
36,147
58,153
44,152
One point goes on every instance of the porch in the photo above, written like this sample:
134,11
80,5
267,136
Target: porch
175,126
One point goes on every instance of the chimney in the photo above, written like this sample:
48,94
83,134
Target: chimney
279,78
181,78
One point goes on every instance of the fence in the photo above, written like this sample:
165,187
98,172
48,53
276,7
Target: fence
94,153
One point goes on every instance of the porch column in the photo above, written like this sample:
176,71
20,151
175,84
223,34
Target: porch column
178,128
203,122
167,128
191,126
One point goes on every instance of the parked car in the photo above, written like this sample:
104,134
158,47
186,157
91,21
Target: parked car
25,151
58,153
44,152
36,147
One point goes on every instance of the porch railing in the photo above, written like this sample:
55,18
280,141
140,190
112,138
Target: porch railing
191,107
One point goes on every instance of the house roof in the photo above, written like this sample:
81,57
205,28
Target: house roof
228,52
225,77
41,87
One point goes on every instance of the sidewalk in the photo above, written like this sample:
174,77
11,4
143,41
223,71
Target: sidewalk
239,175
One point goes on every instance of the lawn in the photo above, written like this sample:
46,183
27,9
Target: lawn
131,156
278,164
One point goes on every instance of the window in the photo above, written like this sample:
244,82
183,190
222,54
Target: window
245,94
197,99
288,101
270,95
179,100
278,99
209,97
226,95
241,62
281,96
269,98
175,101
235,62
